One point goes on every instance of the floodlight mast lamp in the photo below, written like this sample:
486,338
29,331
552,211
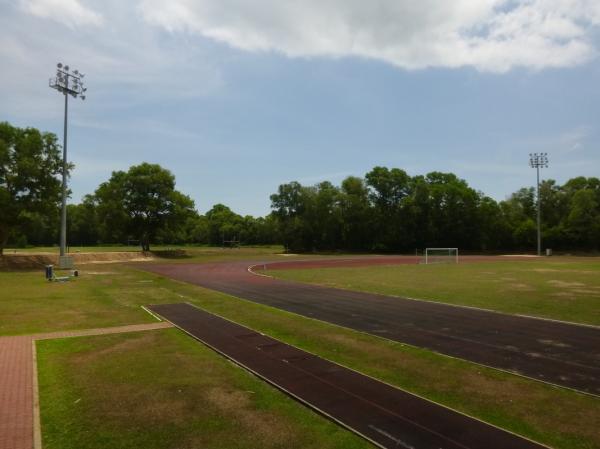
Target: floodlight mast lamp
537,161
67,83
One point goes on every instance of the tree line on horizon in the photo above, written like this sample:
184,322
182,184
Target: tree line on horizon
388,210
385,211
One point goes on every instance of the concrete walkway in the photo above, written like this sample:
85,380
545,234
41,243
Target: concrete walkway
17,395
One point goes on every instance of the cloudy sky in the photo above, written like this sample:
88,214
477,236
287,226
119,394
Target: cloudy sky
236,97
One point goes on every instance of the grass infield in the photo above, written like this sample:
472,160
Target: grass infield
104,391
557,288
160,390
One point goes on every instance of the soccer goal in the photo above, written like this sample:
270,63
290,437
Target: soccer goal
441,255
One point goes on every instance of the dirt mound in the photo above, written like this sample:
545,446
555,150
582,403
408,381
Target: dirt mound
38,261
110,257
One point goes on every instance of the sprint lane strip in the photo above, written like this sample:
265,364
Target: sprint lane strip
383,414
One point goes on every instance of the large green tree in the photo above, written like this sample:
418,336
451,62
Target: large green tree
390,211
30,162
141,202
82,223
223,224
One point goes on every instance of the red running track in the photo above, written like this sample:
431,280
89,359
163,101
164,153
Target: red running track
559,353
386,416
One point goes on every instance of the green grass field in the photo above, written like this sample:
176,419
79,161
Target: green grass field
160,390
562,288
78,375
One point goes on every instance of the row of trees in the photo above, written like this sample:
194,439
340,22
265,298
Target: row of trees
140,205
387,210
98,219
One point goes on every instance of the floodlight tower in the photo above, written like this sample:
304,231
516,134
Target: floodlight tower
537,161
67,83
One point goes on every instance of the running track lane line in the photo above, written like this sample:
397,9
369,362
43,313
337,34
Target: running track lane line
557,353
383,414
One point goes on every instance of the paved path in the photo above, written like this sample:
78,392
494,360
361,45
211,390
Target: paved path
559,353
385,415
17,381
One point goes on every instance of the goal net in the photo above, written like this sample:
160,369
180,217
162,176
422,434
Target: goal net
441,255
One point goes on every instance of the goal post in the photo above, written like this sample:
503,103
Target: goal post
441,255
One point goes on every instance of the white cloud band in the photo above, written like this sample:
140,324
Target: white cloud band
490,35
68,12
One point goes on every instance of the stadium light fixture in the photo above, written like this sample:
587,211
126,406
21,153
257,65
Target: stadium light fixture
537,161
67,83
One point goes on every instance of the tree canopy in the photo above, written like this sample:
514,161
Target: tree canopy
386,210
389,210
30,191
141,202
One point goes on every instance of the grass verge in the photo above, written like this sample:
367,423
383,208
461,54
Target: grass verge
554,416
161,389
558,288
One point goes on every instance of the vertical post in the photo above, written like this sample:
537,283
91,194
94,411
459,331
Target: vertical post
539,215
538,161
63,212
67,83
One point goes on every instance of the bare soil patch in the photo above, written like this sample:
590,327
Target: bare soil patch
565,284
15,262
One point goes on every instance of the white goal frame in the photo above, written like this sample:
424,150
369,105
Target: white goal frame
451,252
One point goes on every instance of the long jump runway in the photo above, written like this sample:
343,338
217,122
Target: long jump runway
559,353
386,416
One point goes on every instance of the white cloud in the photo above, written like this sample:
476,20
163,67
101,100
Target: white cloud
575,139
68,12
127,63
566,141
491,35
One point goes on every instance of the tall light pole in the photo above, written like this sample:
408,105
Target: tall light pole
67,83
537,161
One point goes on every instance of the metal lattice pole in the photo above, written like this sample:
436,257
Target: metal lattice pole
67,83
537,161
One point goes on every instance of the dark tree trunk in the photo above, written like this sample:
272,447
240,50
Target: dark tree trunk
145,241
3,239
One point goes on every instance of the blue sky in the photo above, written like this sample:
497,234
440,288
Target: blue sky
236,99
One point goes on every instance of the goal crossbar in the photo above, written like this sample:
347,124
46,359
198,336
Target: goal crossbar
441,255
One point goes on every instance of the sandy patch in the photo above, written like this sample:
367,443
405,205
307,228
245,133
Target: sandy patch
39,261
522,287
565,284
132,259
584,291
565,295
555,270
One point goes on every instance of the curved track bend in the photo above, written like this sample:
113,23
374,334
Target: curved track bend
555,352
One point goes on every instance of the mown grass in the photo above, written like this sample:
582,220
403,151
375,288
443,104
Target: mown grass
557,417
559,288
104,294
161,389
